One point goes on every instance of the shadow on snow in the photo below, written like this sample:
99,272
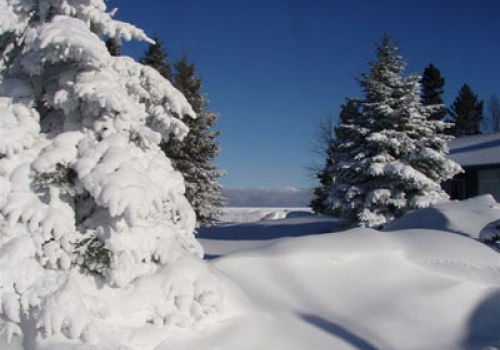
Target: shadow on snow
267,230
484,324
338,331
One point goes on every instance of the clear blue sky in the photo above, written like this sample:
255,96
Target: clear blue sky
273,68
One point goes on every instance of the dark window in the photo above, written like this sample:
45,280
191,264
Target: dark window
457,189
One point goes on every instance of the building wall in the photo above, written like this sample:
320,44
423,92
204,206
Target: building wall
474,182
488,181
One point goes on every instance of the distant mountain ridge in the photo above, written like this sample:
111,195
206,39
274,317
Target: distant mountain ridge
267,198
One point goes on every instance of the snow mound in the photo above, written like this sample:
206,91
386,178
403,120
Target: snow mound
471,217
364,289
457,256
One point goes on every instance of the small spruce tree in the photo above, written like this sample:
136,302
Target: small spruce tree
432,91
389,158
466,113
194,155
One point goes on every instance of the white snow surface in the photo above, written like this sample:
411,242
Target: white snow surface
476,218
357,289
410,288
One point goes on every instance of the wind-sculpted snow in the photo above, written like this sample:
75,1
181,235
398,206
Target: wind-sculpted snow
363,289
88,200
474,217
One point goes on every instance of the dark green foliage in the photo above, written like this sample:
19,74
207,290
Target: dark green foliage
114,46
194,155
432,91
157,58
348,113
63,177
466,113
318,203
93,255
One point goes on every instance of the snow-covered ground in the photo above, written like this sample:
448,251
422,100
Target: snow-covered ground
296,281
245,228
419,286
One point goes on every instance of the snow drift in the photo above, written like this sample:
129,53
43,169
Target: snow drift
475,218
363,289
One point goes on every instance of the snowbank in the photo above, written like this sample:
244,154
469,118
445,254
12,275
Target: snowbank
470,217
411,288
363,289
350,290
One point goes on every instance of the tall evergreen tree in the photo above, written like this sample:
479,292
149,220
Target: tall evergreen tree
466,113
194,156
157,57
432,91
391,157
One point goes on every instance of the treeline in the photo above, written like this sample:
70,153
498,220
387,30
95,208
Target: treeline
193,156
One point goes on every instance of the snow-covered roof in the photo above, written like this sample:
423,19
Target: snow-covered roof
476,150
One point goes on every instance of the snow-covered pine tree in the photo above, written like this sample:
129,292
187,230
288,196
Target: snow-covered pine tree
466,113
194,155
88,200
157,57
391,157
